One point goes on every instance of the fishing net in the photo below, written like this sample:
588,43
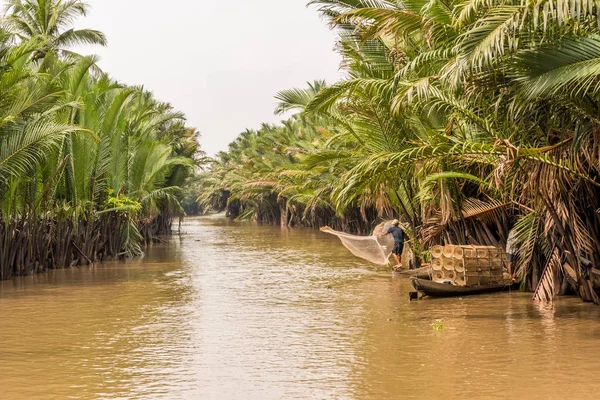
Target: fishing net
370,248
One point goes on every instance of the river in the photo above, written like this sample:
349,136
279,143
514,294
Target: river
238,311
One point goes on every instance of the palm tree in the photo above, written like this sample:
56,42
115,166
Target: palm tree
89,169
49,24
465,119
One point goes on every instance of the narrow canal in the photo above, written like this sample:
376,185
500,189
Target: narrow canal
239,311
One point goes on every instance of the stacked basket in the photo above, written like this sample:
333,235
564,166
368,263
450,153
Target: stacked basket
467,265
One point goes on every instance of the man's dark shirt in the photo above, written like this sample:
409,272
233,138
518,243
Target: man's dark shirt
397,233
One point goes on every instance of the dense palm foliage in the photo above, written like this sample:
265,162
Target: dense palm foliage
264,177
48,23
466,119
89,169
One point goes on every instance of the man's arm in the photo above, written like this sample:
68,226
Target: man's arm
385,234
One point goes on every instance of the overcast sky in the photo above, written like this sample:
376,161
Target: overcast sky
220,62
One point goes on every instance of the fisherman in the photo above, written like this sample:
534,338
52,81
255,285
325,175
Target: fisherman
398,235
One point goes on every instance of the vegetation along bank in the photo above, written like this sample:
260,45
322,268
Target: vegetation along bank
465,120
90,169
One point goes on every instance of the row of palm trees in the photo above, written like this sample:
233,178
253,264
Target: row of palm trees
264,177
465,119
90,169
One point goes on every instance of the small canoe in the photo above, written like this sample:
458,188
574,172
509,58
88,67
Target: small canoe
436,289
421,273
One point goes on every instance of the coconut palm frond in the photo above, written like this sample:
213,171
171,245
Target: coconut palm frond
546,290
568,65
297,99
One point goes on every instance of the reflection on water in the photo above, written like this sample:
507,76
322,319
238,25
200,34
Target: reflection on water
238,311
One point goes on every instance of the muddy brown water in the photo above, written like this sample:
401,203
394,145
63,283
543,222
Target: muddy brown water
238,311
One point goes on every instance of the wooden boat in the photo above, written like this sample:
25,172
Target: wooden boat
437,289
421,273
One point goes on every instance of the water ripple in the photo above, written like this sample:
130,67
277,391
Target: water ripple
238,311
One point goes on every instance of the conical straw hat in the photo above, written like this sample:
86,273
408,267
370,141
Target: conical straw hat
460,280
437,264
458,267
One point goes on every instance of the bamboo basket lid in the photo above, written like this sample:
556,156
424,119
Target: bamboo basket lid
450,275
469,252
458,252
448,251
437,251
483,252
473,262
448,264
437,264
497,262
437,275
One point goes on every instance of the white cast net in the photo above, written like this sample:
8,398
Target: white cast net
370,248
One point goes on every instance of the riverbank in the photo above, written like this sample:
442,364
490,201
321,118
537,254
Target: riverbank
236,310
465,132
34,245
90,168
